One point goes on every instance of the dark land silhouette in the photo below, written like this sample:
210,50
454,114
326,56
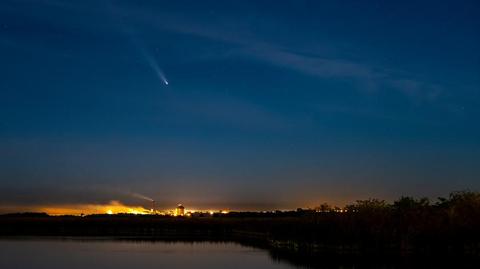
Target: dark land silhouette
408,227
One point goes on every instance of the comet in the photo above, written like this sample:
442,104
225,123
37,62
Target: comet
138,44
153,63
158,71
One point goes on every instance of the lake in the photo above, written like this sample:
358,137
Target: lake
106,254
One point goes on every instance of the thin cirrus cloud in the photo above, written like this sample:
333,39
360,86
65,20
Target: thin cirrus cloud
249,46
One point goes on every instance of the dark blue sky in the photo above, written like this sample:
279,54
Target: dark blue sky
270,104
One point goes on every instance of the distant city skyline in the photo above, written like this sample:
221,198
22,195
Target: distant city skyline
248,105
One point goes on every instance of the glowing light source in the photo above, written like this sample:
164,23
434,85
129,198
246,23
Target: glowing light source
114,207
180,210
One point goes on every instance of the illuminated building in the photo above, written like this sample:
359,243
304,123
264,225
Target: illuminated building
180,210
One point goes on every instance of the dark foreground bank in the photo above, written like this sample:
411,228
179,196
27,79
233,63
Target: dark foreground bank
406,228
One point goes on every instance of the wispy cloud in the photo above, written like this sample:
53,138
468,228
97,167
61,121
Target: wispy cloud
250,46
247,43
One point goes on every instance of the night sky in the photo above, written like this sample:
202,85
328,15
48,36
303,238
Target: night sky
269,104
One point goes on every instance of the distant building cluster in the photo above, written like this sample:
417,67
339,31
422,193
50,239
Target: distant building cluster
181,211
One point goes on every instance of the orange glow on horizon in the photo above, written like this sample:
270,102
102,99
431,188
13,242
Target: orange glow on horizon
111,208
114,207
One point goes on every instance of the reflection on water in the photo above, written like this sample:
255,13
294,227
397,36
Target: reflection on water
53,254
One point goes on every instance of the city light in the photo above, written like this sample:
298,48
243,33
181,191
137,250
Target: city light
116,207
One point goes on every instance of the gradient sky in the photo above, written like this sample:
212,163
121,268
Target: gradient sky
270,104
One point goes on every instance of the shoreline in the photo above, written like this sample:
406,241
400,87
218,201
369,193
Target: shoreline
284,254
302,235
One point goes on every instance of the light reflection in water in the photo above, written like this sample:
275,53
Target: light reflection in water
53,254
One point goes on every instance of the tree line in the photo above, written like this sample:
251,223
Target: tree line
407,225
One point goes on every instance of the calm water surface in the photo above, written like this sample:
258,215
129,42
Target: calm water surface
61,254
95,253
